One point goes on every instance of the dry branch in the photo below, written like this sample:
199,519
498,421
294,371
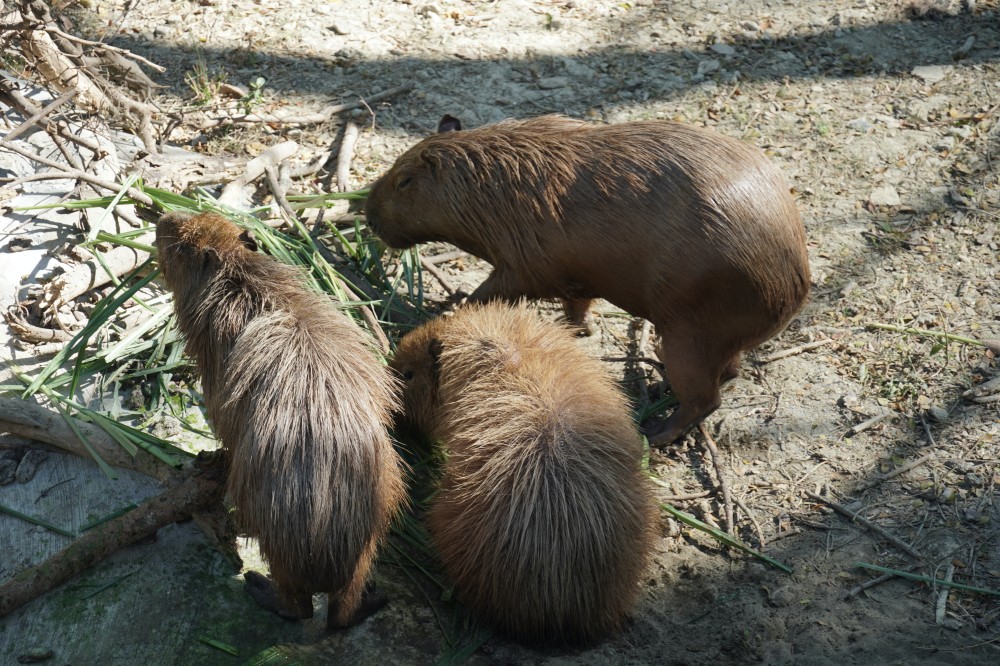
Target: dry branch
255,168
89,275
32,421
882,532
794,350
346,156
198,491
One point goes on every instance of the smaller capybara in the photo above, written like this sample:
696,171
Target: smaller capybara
300,402
692,230
543,520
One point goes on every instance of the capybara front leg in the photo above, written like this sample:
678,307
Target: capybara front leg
262,589
695,382
499,286
578,313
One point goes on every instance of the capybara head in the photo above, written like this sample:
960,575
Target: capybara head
416,362
192,248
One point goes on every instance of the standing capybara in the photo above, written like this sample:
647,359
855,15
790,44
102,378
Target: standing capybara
544,520
690,229
300,402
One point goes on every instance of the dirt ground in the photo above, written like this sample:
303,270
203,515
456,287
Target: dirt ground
884,118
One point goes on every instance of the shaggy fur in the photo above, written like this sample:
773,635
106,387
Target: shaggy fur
692,230
544,520
299,400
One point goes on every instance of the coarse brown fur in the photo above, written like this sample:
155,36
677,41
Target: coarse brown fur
543,520
692,230
297,397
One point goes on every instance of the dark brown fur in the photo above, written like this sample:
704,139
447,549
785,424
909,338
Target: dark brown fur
692,230
297,397
544,520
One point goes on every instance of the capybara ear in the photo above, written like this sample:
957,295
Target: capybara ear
248,240
434,349
449,124
210,257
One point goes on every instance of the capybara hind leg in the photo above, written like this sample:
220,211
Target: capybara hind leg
355,602
695,382
731,370
263,591
578,313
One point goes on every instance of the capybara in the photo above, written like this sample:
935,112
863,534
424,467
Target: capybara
300,402
543,520
692,230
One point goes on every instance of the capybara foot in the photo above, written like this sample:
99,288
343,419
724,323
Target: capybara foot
372,601
261,588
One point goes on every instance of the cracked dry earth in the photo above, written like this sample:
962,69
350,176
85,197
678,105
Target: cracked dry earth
883,116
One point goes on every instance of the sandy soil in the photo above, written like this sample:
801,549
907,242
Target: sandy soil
883,117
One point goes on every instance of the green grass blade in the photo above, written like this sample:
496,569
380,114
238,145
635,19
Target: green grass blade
927,579
36,521
111,516
691,521
71,422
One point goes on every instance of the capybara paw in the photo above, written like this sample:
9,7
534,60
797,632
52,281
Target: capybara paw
654,428
372,601
261,588
585,328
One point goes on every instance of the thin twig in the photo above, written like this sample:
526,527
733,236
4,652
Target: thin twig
438,275
77,174
885,534
794,350
633,359
753,521
42,113
868,423
894,473
727,499
855,591
446,256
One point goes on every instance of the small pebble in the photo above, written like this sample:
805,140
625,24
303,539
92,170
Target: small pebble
724,50
553,82
340,28
939,414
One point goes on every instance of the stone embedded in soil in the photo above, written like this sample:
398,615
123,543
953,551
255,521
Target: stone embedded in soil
930,73
884,196
708,66
340,28
860,124
553,82
724,50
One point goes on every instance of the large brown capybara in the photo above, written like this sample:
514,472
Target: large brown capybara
296,395
692,230
543,520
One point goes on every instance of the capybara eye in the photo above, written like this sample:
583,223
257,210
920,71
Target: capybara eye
408,375
403,184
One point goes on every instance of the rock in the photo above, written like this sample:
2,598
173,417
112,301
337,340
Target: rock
884,196
930,73
860,124
340,28
937,413
750,26
724,50
782,597
707,66
161,31
553,82
29,464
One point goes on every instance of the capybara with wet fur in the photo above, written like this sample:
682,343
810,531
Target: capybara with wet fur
296,395
692,230
543,520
